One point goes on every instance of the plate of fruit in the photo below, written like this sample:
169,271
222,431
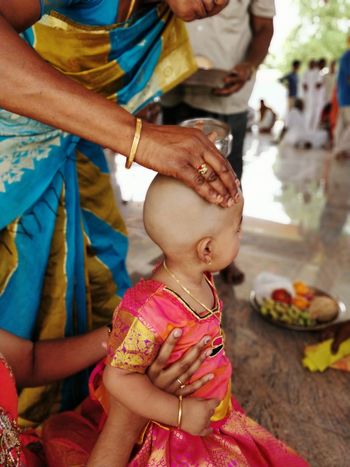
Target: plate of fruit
297,306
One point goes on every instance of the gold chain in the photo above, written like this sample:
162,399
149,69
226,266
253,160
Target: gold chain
185,289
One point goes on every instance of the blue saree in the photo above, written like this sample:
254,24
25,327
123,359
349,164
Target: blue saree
63,242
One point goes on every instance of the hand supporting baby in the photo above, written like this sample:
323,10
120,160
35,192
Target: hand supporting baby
156,392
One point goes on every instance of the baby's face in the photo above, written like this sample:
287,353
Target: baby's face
228,240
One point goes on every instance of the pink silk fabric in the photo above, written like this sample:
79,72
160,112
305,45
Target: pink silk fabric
143,320
237,440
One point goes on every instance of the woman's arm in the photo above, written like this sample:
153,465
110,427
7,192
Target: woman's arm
33,88
117,438
124,425
42,362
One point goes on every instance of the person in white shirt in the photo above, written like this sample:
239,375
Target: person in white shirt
236,40
320,97
297,134
311,83
267,118
330,79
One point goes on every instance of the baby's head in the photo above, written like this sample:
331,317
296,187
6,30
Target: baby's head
186,227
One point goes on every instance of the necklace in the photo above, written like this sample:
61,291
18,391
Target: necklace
185,289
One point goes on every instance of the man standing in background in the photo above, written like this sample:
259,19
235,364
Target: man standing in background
342,129
236,40
311,86
330,82
291,80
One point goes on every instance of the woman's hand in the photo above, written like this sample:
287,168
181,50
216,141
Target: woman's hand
339,332
172,378
180,152
196,9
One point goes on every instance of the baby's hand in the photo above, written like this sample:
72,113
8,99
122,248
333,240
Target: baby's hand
196,416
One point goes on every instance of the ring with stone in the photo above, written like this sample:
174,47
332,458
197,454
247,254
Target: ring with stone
202,169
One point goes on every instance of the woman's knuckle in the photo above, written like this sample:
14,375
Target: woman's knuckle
212,177
184,365
199,179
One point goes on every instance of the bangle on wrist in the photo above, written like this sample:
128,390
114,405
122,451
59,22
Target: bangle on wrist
179,414
135,144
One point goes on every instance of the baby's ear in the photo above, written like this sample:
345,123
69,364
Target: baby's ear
205,250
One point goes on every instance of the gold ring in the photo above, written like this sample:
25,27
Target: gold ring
182,385
202,169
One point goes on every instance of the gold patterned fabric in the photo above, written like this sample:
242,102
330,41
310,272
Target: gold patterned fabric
132,346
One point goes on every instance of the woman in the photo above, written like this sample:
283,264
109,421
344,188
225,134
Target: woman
62,240
25,363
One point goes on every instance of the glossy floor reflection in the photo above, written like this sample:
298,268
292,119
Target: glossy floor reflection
297,224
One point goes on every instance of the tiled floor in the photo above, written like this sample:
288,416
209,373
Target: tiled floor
297,223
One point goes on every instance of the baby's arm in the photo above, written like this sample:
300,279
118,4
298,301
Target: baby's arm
137,393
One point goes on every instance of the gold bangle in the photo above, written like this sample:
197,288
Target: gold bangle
179,414
135,144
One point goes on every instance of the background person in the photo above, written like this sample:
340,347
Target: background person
342,129
296,132
237,40
330,79
291,80
309,83
267,118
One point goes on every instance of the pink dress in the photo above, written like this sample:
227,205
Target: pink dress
143,320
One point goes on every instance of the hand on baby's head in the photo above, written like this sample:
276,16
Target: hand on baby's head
181,223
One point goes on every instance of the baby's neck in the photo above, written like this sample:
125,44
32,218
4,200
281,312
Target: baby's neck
188,281
190,274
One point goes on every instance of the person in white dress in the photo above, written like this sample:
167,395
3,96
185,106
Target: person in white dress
297,134
311,83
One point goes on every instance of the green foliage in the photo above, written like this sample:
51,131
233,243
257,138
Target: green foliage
322,32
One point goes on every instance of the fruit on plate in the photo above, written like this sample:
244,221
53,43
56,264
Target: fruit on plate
323,309
303,290
301,302
304,308
282,295
288,314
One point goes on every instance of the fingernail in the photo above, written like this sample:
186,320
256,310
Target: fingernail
206,340
177,333
208,352
230,202
210,377
237,197
219,198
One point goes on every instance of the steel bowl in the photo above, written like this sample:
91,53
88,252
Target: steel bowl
223,141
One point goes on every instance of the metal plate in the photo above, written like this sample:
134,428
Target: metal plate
208,78
343,315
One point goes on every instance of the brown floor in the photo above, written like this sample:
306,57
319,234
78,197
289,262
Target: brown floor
297,224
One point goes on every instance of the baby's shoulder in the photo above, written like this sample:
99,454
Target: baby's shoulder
141,296
150,302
